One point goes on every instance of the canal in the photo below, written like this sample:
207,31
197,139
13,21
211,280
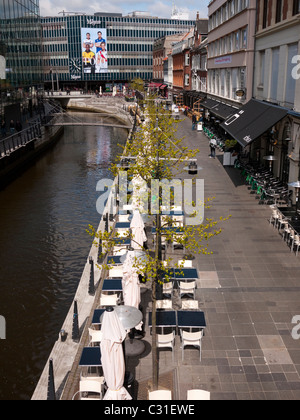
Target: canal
43,247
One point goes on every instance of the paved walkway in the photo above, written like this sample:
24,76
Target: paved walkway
249,290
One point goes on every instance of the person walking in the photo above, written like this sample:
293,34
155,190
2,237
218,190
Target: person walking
19,126
12,127
3,128
194,121
213,145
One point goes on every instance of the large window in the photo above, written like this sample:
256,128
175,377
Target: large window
290,80
275,73
265,13
279,11
296,7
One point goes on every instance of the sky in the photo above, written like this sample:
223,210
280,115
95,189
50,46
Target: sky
160,8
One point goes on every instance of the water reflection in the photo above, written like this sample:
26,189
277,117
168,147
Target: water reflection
44,247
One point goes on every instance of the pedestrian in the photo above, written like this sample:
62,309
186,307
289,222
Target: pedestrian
213,145
19,126
194,121
12,127
3,128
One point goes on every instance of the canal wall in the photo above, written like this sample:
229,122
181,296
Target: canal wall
12,165
66,353
108,107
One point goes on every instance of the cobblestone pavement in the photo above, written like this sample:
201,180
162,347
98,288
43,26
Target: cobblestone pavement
249,290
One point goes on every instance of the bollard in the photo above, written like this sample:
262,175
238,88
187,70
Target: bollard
51,387
92,280
75,329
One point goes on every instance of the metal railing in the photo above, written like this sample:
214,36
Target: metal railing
19,139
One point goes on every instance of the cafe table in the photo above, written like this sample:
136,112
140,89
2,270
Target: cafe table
191,319
112,285
164,319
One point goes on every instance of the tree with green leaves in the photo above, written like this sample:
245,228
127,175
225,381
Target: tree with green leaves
157,155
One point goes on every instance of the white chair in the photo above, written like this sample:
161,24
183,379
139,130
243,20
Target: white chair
190,304
274,217
95,336
160,395
115,272
87,387
122,233
191,339
166,341
198,394
168,289
286,233
119,250
123,218
187,288
296,243
109,300
292,239
177,221
185,263
164,304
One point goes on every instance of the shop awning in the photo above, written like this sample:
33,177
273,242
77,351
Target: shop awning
252,120
209,103
223,111
163,87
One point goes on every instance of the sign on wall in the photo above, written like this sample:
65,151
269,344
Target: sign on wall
94,50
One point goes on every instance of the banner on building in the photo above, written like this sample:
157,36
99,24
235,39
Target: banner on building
94,50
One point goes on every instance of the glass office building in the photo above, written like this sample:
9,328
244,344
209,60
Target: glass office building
125,53
20,50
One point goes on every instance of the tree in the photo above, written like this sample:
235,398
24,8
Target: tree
157,155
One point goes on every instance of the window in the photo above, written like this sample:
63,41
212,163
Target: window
279,10
265,13
262,68
275,73
290,81
186,80
244,38
296,7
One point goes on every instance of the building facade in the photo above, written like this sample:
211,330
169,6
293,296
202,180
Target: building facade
231,30
277,78
128,43
20,50
161,49
181,63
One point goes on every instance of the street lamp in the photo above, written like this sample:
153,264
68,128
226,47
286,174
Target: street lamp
271,159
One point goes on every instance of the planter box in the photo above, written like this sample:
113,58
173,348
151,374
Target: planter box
129,99
228,159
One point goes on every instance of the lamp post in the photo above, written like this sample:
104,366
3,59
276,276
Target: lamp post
270,159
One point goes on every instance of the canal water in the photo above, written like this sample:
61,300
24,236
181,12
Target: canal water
44,247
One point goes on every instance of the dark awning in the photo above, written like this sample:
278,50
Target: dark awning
223,111
209,103
252,120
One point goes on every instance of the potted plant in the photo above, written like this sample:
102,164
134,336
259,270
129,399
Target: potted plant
229,149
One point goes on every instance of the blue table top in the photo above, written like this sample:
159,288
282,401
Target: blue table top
123,225
191,319
116,259
164,319
112,285
172,213
97,315
167,229
122,241
182,319
91,356
182,273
